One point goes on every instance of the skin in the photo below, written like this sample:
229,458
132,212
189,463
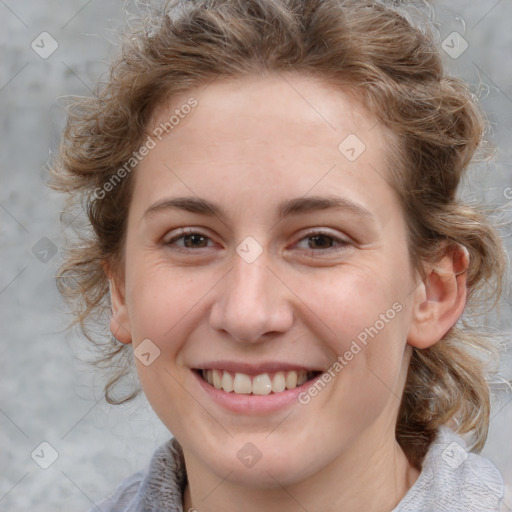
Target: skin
249,145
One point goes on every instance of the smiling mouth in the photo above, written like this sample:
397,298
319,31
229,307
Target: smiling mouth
262,384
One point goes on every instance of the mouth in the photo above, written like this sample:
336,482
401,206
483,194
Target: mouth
261,384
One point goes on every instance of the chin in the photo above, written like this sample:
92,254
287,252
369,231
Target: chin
269,466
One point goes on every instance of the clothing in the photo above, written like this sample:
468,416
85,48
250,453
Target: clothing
451,480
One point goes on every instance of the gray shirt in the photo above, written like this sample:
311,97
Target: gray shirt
451,480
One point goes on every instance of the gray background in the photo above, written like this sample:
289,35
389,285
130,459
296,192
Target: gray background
47,394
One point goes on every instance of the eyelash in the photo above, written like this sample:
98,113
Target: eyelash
342,244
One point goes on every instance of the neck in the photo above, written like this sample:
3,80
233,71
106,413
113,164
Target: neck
369,476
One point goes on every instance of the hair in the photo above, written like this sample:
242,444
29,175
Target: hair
359,46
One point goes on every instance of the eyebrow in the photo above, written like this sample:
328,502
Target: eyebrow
296,206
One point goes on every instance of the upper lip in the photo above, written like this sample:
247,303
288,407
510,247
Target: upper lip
254,369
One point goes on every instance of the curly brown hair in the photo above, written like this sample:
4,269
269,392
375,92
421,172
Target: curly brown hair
359,46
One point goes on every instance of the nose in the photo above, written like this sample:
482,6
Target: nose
251,303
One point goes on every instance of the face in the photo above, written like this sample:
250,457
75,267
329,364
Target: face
266,251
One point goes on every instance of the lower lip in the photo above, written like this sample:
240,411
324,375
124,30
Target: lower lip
254,404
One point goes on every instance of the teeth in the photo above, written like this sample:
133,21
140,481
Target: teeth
227,382
262,384
242,384
217,382
301,378
291,380
278,382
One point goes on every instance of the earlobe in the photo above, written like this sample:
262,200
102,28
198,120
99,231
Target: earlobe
441,298
119,320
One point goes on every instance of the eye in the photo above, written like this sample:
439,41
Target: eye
322,241
187,239
190,239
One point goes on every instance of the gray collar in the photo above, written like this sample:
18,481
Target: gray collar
451,480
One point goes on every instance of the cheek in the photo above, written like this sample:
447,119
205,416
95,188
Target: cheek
159,298
350,300
366,317
164,304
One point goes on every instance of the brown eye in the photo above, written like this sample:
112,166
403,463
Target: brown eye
189,240
320,241
195,241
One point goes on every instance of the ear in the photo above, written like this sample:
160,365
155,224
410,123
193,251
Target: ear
441,298
119,320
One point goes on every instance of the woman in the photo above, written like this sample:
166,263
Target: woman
272,191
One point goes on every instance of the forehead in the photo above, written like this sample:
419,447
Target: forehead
265,135
286,101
